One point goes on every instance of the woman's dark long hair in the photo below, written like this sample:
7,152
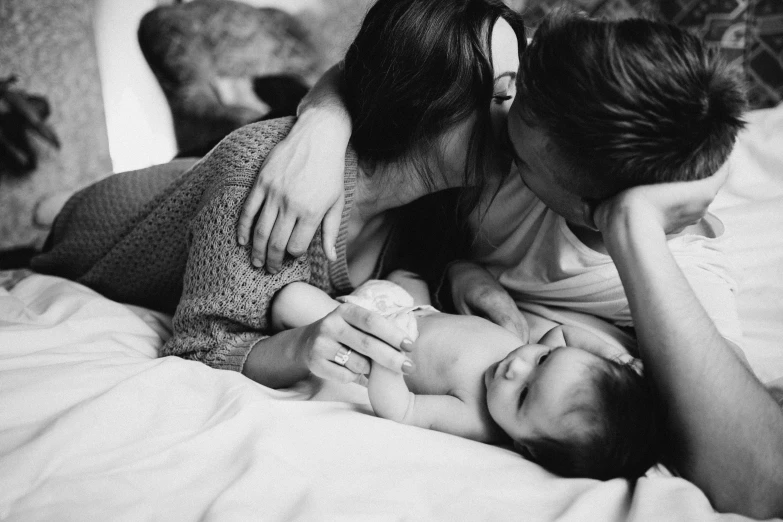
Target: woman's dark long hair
418,67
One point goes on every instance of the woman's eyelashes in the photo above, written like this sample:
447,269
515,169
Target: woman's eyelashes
500,99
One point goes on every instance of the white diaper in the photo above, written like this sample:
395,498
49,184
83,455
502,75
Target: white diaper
389,300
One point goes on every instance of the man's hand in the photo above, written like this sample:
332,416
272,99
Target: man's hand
476,292
299,186
673,206
301,182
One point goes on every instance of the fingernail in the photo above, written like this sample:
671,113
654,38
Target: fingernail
406,345
333,251
242,241
407,367
257,262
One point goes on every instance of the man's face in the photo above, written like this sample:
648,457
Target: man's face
547,173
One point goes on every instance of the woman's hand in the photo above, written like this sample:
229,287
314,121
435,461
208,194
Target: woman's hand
299,186
340,346
673,206
476,292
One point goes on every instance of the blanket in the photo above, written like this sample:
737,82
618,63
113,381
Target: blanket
95,426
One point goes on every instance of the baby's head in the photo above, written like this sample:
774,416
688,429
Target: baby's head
573,412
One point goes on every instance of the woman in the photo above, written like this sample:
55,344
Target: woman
168,242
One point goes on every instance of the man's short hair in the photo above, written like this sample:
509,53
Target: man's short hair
630,102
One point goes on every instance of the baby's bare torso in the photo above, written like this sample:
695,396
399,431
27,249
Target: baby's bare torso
452,353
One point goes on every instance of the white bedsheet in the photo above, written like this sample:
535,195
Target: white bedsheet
94,427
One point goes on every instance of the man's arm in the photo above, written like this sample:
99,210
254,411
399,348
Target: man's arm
300,185
726,428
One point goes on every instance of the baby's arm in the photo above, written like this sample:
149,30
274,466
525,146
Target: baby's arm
391,399
300,304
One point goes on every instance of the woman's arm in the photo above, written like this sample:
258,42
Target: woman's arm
300,304
223,314
300,185
726,428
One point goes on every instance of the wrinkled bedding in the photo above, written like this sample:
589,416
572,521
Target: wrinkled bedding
94,426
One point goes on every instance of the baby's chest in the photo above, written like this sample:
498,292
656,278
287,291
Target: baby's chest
441,372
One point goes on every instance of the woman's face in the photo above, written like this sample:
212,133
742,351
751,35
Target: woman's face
505,62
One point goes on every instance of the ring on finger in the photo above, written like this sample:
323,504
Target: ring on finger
342,355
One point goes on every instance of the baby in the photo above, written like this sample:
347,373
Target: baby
572,403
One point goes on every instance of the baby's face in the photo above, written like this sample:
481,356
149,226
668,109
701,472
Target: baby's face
530,393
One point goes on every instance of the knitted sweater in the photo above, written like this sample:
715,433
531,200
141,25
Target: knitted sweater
166,239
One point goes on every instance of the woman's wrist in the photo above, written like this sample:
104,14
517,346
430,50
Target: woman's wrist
275,361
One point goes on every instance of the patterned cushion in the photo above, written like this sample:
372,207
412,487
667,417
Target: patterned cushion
749,33
534,10
206,52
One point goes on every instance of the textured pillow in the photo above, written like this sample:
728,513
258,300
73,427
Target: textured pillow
749,33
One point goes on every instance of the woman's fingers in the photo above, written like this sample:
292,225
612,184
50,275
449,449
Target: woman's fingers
375,337
334,372
357,363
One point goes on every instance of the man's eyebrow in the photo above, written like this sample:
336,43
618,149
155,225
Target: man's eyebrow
509,74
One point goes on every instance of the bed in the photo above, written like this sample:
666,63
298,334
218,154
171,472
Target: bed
95,426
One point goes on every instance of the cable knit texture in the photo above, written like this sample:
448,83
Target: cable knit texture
166,239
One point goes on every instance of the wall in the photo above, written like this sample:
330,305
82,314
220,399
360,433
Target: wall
49,44
138,119
108,109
